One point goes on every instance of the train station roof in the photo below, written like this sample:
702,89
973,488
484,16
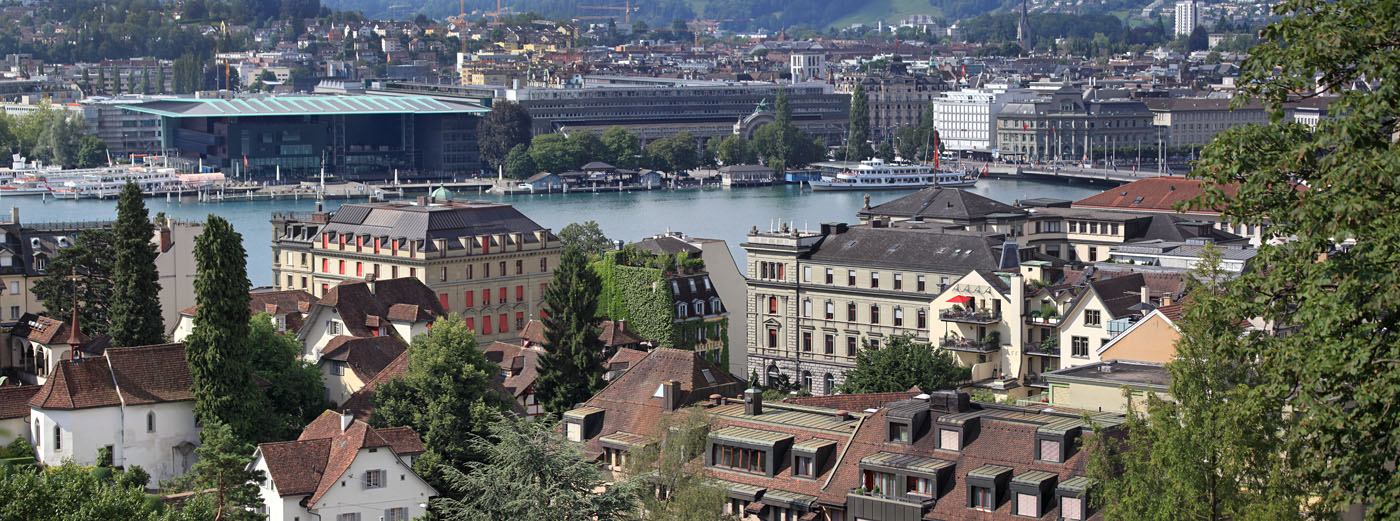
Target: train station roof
302,106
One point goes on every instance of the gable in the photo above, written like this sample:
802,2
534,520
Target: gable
1152,339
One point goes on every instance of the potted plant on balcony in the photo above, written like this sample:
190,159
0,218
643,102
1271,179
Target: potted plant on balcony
992,339
957,308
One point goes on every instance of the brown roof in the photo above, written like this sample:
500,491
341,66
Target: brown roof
853,402
346,444
1168,284
625,358
14,401
629,399
78,384
1119,293
533,332
519,363
404,299
296,467
46,330
361,403
1172,312
280,302
1159,194
367,356
151,374
617,334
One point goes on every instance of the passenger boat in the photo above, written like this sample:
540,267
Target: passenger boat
875,174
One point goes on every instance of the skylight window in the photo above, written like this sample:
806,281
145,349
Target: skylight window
658,392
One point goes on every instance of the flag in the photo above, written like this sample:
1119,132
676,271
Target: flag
1025,126
245,161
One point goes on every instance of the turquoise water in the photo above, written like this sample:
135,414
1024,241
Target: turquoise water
711,213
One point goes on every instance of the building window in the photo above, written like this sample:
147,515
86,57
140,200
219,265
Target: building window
874,280
57,439
807,308
802,466
1071,508
544,264
738,458
830,276
1027,505
772,304
1050,451
396,514
983,499
898,281
830,310
342,267
949,439
336,368
851,312
772,338
922,319
898,317
828,384
1093,317
14,312
899,432
1079,347
151,421
850,346
851,278
1093,254
920,486
807,341
806,274
520,267
351,516
874,314
920,284
807,381
829,344
879,482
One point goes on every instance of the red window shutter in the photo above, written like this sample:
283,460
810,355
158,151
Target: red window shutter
443,299
342,267
376,245
325,266
359,269
486,297
325,241
471,324
471,300
780,270
505,326
519,320
394,246
486,325
502,295
520,293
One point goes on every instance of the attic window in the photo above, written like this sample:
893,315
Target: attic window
659,391
1138,200
849,244
708,376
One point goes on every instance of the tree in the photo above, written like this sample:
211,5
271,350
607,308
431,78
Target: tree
733,150
624,150
669,471
92,152
90,258
858,145
87,82
135,309
70,492
507,125
217,348
187,76
295,395
529,471
552,153
101,79
160,79
587,236
586,147
886,152
1198,40
221,474
677,153
1196,454
146,80
1339,365
571,370
445,396
709,154
901,364
519,164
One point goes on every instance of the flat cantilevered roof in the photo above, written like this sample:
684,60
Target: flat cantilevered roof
302,106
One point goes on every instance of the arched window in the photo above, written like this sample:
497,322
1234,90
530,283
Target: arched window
828,384
773,375
699,306
151,421
807,381
715,305
680,310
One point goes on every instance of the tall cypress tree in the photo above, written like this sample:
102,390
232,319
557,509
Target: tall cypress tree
858,147
572,368
135,308
218,349
101,79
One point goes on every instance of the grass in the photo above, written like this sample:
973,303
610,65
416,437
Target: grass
891,11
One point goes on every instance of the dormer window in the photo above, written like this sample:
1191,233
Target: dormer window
681,309
699,307
899,432
1055,441
692,285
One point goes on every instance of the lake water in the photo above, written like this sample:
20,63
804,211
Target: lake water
711,213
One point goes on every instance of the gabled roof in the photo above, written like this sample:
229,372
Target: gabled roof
910,248
313,463
367,356
1153,194
951,204
14,400
278,302
519,366
402,299
666,245
361,403
44,330
78,384
1119,293
151,374
615,333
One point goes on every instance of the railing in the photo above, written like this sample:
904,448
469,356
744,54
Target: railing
1037,380
970,316
967,345
913,500
1042,348
1044,321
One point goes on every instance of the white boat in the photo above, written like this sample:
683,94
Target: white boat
24,186
875,174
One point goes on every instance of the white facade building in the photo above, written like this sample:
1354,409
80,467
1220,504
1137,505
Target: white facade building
135,402
1188,14
808,67
342,469
966,119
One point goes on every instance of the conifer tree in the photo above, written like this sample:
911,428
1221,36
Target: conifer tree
857,147
135,305
217,349
101,79
571,370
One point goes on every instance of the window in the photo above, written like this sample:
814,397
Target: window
504,324
151,421
919,283
342,267
830,310
325,265
1079,347
829,276
14,312
850,346
983,499
807,381
442,299
738,458
879,482
1071,508
807,341
802,466
875,280
898,432
772,304
396,514
544,265
949,439
850,277
1050,451
829,344
520,293
875,314
14,287
807,308
806,274
1093,254
485,270
773,338
898,317
336,368
898,281
57,439
1093,317
851,312
501,296
920,486
520,267
828,383
502,266
1027,505
352,516
922,319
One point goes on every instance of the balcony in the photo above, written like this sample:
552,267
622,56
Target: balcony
1037,381
967,345
1046,348
1043,321
971,316
862,504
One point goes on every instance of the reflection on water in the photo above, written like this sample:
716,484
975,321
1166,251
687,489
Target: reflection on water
713,213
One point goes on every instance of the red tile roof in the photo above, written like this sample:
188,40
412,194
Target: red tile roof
367,356
14,400
138,375
344,446
274,303
361,404
46,330
1159,194
78,384
520,365
402,299
853,402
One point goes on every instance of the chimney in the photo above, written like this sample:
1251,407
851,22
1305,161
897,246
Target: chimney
1010,255
670,395
716,399
345,420
843,415
753,402
1145,295
622,325
166,240
14,214
320,207
422,200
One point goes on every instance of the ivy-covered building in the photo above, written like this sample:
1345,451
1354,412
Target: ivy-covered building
667,298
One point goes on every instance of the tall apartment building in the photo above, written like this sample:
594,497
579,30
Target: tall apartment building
485,261
1188,14
966,119
896,98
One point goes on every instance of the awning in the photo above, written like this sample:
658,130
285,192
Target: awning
960,299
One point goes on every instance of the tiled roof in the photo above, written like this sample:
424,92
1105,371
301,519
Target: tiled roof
361,404
152,374
1119,293
533,332
615,333
519,364
666,245
1172,312
931,250
14,400
451,220
625,358
78,384
296,467
853,402
324,451
274,303
1158,194
951,204
367,356
44,330
403,299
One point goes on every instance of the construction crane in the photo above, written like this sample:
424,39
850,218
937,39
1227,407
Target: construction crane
627,9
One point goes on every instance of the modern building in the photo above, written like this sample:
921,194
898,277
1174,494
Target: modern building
806,67
816,298
1188,15
1062,124
353,137
966,119
896,98
341,468
1196,121
656,108
485,261
126,132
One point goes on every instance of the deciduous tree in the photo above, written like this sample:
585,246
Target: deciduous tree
624,150
587,236
552,153
571,370
135,309
901,364
519,164
507,125
669,470
295,395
